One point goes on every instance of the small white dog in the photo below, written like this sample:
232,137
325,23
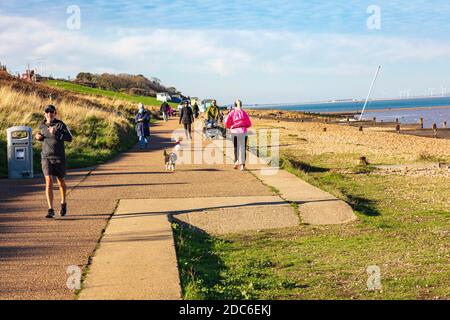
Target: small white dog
170,159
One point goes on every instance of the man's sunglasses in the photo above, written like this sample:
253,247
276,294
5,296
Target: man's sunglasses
50,111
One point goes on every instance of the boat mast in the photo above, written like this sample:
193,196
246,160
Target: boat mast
370,91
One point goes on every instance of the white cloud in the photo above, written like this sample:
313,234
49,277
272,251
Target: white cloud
191,58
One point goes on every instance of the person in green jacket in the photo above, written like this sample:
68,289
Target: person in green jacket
213,112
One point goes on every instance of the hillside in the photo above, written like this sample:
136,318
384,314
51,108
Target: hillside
126,83
102,126
77,88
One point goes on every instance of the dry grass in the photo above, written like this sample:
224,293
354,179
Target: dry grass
17,108
99,130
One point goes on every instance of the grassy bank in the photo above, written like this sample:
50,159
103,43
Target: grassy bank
69,86
99,134
403,227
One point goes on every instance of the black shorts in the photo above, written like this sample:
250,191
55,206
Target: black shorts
54,168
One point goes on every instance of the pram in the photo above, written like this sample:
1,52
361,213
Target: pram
213,130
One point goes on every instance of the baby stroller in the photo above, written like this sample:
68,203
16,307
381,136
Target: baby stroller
213,130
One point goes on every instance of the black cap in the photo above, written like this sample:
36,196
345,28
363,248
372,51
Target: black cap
50,108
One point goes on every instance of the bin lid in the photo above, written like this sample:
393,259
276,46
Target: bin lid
19,128
12,131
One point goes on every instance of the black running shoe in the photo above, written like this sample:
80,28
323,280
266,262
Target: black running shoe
50,214
63,211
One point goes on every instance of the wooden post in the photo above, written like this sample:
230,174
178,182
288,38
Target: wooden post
360,128
363,161
421,122
435,130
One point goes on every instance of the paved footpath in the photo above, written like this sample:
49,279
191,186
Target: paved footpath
136,257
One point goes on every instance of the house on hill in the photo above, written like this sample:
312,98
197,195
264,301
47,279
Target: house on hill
163,97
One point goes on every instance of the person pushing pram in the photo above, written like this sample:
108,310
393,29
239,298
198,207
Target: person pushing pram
214,122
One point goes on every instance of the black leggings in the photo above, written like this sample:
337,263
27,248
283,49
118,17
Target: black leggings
235,143
188,130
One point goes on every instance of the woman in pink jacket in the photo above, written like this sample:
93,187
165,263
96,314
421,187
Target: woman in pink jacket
238,123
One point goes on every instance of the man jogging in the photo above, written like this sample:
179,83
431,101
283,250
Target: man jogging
53,133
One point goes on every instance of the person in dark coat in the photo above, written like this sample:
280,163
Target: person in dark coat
165,111
187,118
196,110
143,126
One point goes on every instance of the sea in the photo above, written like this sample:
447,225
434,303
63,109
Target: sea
406,110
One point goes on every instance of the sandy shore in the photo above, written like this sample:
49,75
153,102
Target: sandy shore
346,143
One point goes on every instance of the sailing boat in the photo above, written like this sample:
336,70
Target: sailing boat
370,92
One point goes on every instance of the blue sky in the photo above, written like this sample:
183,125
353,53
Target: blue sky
259,51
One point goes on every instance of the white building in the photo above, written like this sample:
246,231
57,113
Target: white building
164,97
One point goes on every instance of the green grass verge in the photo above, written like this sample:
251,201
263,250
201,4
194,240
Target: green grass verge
96,142
210,270
403,227
73,87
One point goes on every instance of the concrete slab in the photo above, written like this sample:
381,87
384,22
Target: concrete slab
316,206
224,215
136,259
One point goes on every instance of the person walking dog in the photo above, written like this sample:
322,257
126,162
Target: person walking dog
53,133
143,126
238,123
